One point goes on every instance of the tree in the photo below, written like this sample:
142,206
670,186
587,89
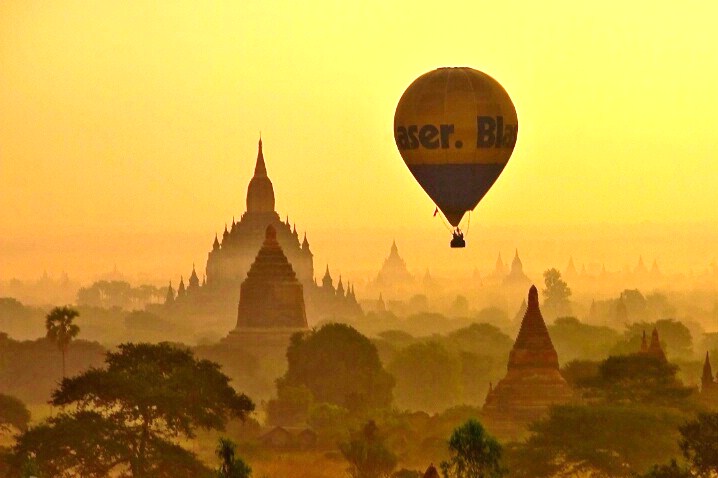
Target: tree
556,294
576,340
428,377
671,470
61,330
636,379
338,365
676,338
699,443
13,414
474,453
368,455
127,417
605,440
231,466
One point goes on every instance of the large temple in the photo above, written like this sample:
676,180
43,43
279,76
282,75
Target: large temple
232,254
533,381
271,301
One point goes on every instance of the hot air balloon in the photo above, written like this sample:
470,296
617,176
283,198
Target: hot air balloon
455,129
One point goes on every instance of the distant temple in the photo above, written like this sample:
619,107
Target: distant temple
231,256
653,349
394,269
499,270
393,277
533,382
709,387
516,278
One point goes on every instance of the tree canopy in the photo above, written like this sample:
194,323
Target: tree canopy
127,416
367,454
474,453
609,440
61,329
13,414
428,377
231,465
699,443
338,365
556,294
636,378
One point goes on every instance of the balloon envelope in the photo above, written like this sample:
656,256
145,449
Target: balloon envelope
455,129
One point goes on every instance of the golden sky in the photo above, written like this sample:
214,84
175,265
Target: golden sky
141,116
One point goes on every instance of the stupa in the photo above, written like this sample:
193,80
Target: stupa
271,301
533,382
709,387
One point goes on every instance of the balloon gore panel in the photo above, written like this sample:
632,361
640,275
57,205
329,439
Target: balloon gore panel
456,188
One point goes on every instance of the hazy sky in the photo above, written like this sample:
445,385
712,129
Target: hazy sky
142,117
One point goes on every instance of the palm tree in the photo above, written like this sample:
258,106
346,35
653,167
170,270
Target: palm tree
231,467
61,330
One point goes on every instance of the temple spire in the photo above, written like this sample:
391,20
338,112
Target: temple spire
707,378
260,169
260,193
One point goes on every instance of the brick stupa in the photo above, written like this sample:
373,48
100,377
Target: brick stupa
271,295
271,301
533,382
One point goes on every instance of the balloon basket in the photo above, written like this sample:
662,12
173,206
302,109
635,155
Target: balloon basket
458,242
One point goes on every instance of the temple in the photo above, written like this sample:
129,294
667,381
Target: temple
709,386
271,302
654,349
271,295
232,254
516,277
393,277
533,382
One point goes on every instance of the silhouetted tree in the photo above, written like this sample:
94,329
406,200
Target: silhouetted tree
676,338
428,377
338,365
699,443
61,330
474,453
128,416
231,465
574,339
671,470
601,440
636,378
13,414
556,294
368,455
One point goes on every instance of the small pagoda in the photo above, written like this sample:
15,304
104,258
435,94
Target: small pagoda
533,382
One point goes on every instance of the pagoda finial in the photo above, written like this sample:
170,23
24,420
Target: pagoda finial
260,169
